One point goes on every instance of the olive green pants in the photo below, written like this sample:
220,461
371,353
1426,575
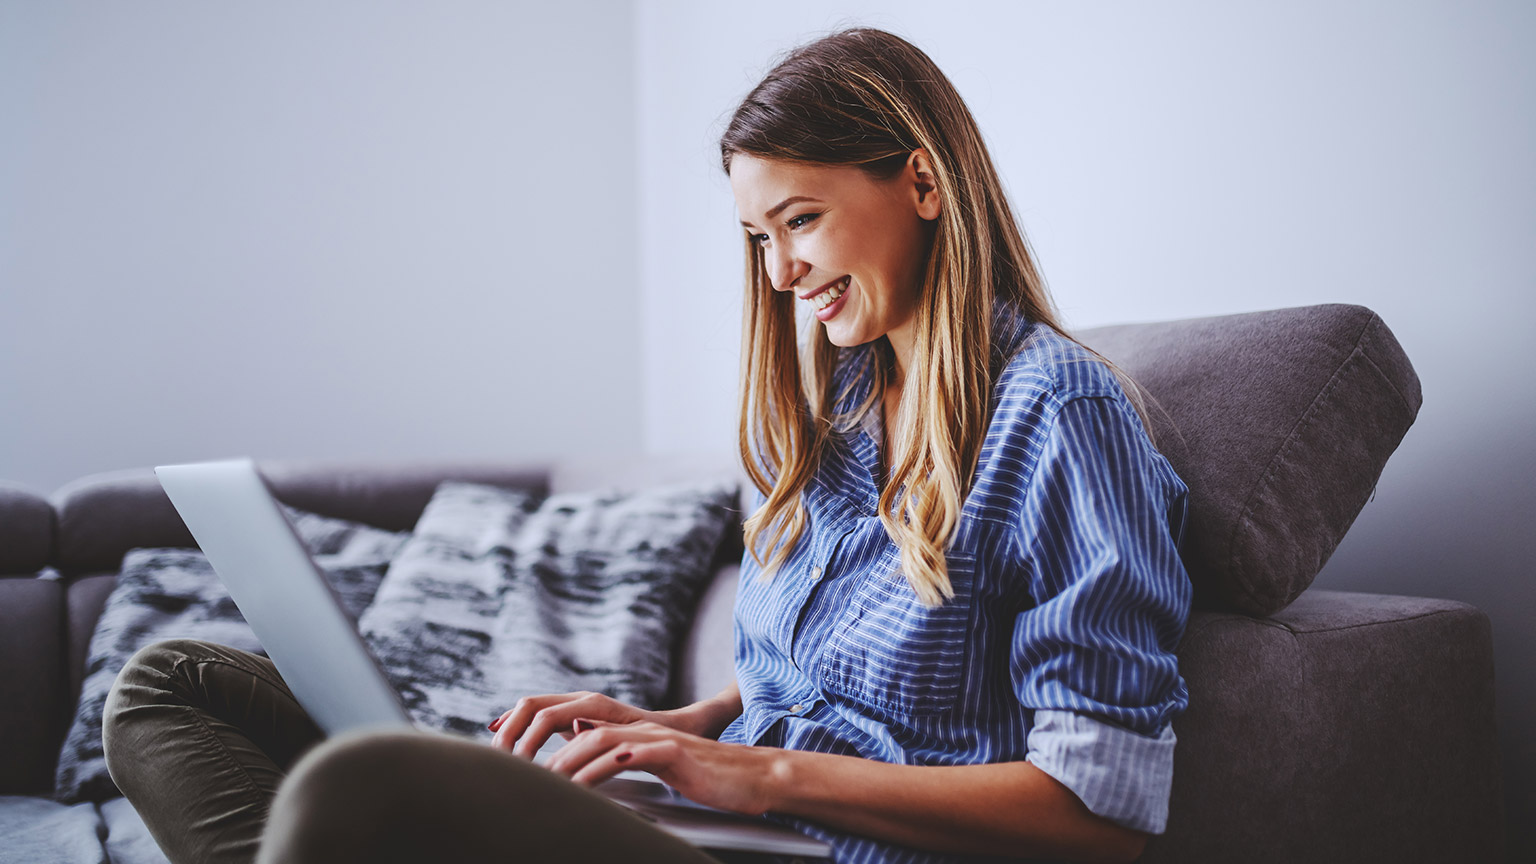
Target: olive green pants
211,748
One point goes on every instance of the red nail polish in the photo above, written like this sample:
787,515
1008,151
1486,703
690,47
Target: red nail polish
491,726
622,757
495,724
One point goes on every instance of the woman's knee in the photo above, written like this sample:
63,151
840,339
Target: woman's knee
344,799
148,680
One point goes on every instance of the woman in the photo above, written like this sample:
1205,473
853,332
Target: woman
957,615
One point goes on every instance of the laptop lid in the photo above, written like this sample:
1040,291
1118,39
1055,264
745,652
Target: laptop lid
283,595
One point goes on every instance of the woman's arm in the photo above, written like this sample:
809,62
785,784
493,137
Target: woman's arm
707,718
1007,808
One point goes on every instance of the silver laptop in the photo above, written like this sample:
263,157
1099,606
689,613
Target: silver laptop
297,617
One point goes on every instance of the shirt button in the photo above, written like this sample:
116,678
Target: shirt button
796,708
815,573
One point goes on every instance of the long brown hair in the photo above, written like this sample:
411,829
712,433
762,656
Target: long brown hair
867,98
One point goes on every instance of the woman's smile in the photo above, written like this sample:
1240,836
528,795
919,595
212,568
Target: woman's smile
828,301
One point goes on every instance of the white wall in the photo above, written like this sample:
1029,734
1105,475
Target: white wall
340,230
1185,159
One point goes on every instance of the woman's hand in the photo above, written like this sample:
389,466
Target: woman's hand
728,776
527,725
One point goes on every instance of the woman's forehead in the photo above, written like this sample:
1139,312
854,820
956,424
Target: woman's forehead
761,185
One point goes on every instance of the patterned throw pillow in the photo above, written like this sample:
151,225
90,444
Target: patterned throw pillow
174,593
499,594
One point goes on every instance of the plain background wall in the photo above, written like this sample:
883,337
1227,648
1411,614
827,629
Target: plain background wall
1173,160
498,230
339,230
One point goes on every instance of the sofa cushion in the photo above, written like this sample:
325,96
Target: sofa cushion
26,530
499,594
1280,423
34,830
167,593
128,838
1348,727
32,682
708,661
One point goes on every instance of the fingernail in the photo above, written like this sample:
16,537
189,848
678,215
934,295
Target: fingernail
583,725
495,723
622,757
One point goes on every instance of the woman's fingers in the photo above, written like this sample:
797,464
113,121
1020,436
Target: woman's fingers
537,718
516,723
653,756
593,744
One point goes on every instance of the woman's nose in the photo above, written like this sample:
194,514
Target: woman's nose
784,269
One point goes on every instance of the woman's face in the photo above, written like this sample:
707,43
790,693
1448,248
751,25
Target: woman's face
836,234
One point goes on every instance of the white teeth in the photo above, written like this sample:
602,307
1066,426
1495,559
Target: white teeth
829,296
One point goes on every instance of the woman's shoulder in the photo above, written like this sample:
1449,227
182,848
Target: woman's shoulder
1043,365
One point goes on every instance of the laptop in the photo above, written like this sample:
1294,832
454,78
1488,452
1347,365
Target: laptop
297,617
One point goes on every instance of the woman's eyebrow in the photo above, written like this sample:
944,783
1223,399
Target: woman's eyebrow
779,207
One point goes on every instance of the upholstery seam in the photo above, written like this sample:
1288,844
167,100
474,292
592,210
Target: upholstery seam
1302,424
1376,324
1346,627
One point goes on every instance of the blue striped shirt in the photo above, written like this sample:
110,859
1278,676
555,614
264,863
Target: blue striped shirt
1070,597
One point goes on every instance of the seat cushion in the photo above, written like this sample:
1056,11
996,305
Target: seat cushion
1280,422
128,840
34,830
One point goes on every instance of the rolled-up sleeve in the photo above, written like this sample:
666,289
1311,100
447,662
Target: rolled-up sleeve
1093,655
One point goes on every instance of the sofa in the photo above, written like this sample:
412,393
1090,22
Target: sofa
1322,725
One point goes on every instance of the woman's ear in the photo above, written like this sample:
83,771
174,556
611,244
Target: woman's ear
925,187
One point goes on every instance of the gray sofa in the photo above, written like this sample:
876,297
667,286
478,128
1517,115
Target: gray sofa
1322,726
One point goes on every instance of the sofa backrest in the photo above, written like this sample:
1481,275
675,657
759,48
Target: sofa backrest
1279,422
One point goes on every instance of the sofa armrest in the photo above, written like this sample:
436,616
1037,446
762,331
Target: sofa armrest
32,683
1347,727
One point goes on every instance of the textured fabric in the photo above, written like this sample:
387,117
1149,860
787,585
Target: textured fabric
1348,727
26,530
1070,598
499,595
128,840
36,830
1280,422
166,593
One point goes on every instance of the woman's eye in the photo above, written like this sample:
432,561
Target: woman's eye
796,222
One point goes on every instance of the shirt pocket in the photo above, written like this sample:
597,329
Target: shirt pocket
892,653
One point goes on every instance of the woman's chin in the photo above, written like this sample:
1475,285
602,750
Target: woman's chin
842,337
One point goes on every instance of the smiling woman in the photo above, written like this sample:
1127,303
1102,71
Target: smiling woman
962,587
957,613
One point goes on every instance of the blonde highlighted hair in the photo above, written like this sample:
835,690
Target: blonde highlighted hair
867,98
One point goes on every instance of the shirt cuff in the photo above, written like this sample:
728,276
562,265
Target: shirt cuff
1120,775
